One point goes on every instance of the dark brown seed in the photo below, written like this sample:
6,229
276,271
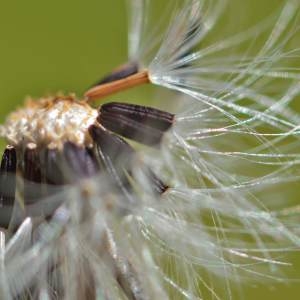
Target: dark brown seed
120,73
158,186
32,174
5,216
111,144
130,129
117,156
32,166
78,162
144,115
7,177
52,167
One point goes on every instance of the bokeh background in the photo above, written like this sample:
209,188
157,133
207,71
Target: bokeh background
51,46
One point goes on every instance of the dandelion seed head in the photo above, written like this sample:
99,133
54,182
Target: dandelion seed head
229,213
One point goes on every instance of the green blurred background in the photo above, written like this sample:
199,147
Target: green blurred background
50,46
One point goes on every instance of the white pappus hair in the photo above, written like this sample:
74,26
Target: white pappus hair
231,159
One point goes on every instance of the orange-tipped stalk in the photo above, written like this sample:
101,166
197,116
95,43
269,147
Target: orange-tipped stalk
106,89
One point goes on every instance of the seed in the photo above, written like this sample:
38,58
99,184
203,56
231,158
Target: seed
119,73
7,176
142,124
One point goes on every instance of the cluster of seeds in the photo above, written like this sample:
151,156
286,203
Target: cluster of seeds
61,140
